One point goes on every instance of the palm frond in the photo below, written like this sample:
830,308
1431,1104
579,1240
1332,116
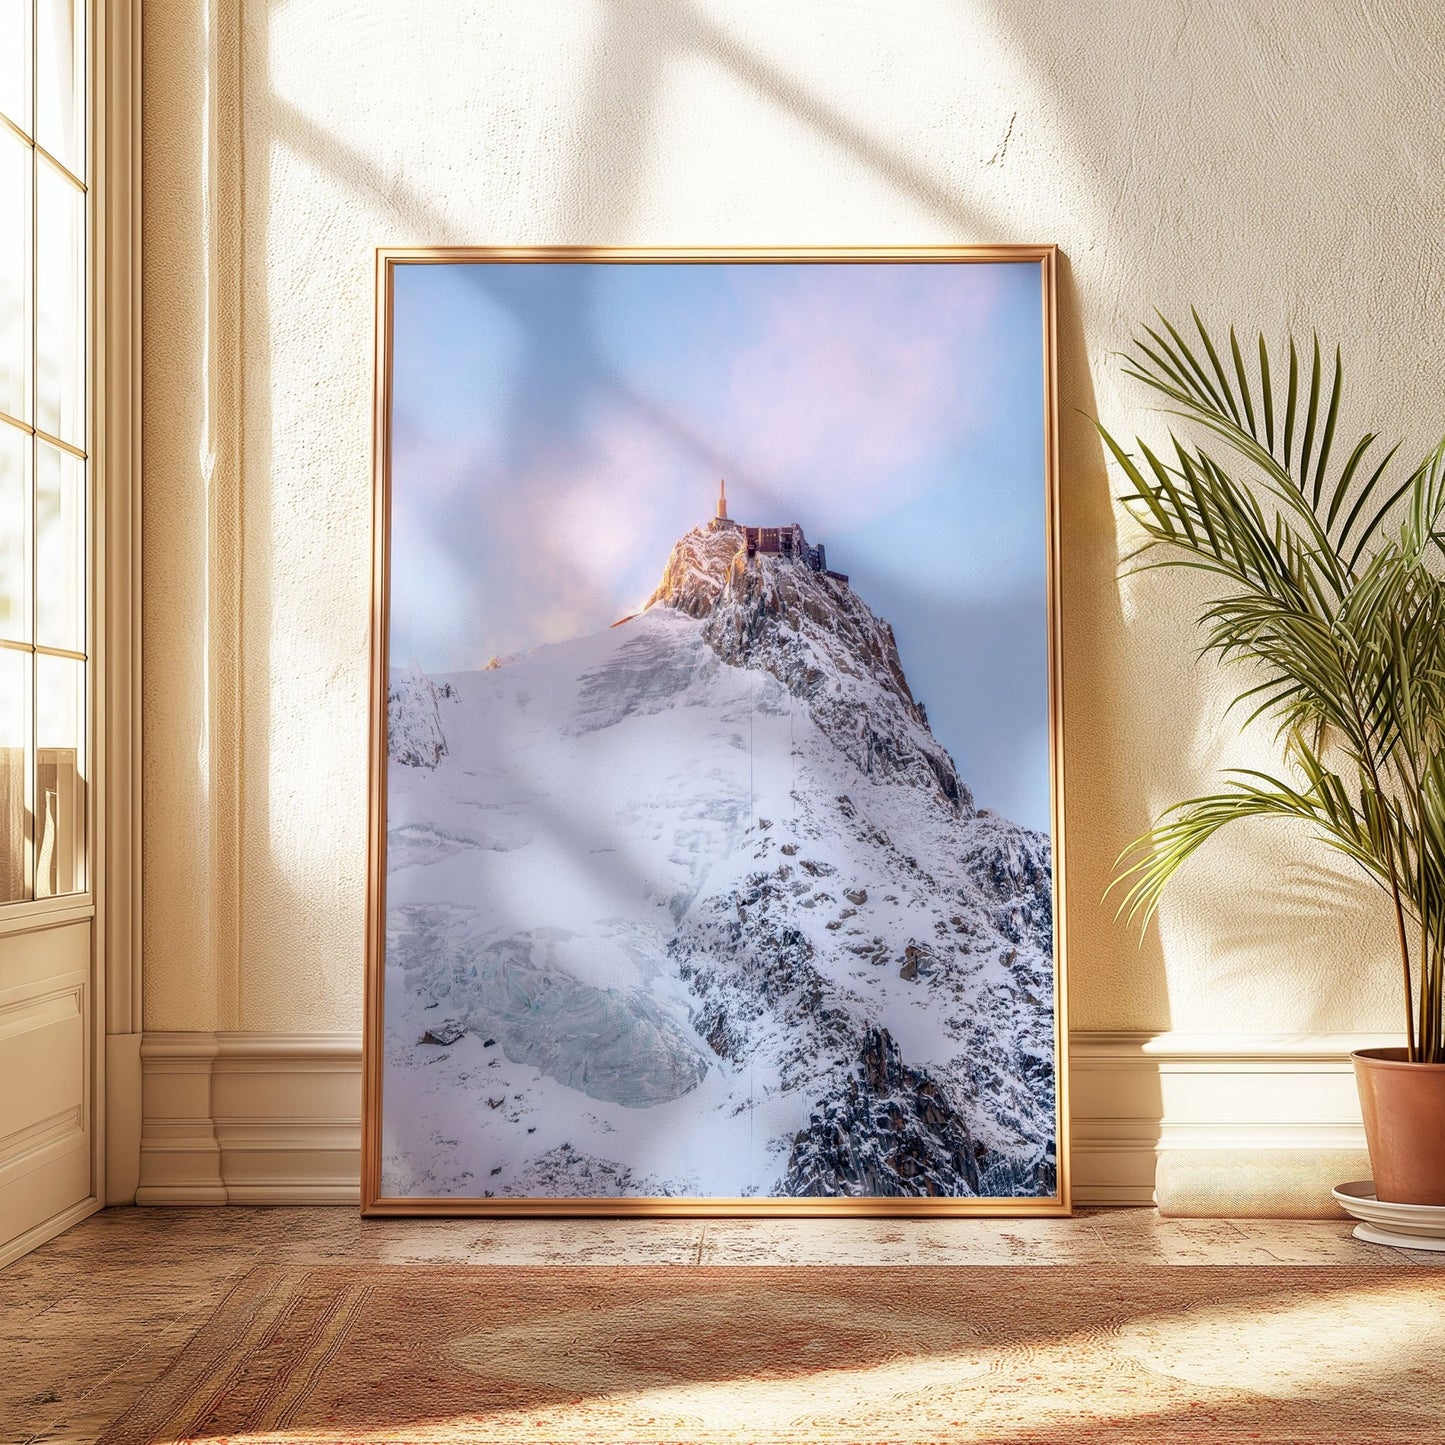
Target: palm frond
1144,868
1232,404
1329,592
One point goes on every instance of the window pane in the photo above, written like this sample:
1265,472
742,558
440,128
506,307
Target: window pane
15,172
14,535
59,775
15,55
59,306
59,549
14,725
60,83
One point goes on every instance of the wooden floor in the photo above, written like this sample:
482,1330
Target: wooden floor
90,1319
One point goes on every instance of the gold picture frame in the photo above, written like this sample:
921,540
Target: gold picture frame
375,1200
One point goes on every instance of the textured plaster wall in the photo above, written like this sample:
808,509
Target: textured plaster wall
1277,163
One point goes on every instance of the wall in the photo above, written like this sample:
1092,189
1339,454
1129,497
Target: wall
1278,165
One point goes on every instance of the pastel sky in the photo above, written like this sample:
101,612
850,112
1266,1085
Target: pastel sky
557,427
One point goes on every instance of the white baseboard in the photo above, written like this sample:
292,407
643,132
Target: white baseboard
1208,1123
1226,1123
250,1118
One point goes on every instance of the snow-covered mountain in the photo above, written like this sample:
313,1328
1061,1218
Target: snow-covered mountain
699,906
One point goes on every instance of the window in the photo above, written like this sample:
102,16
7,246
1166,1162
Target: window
44,449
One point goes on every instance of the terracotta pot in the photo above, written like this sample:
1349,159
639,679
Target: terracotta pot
1404,1109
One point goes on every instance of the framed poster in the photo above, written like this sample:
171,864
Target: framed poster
716,863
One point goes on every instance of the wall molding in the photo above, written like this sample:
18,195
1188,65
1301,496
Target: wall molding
117,460
250,1118
1216,1123
1227,1123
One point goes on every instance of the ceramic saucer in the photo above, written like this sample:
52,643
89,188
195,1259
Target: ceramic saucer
1405,1226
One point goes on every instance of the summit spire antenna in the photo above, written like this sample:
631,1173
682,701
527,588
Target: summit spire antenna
722,500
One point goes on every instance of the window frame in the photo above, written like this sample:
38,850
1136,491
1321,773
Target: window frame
112,901
34,909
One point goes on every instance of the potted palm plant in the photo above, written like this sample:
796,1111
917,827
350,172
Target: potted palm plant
1326,561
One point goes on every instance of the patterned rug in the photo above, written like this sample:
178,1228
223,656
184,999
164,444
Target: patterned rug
650,1354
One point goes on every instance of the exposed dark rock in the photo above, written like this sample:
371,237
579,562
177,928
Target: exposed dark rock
1016,871
757,970
445,1033
889,1130
567,1171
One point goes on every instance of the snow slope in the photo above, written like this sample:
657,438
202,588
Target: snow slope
713,914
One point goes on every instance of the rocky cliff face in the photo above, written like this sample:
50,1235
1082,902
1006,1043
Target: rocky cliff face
886,1130
839,925
822,642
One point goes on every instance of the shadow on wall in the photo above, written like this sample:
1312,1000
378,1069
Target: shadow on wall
1111,971
1138,712
1234,931
280,668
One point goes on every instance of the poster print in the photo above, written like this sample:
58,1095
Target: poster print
715,863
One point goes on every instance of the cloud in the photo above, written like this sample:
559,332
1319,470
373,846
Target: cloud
828,395
836,399
493,558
